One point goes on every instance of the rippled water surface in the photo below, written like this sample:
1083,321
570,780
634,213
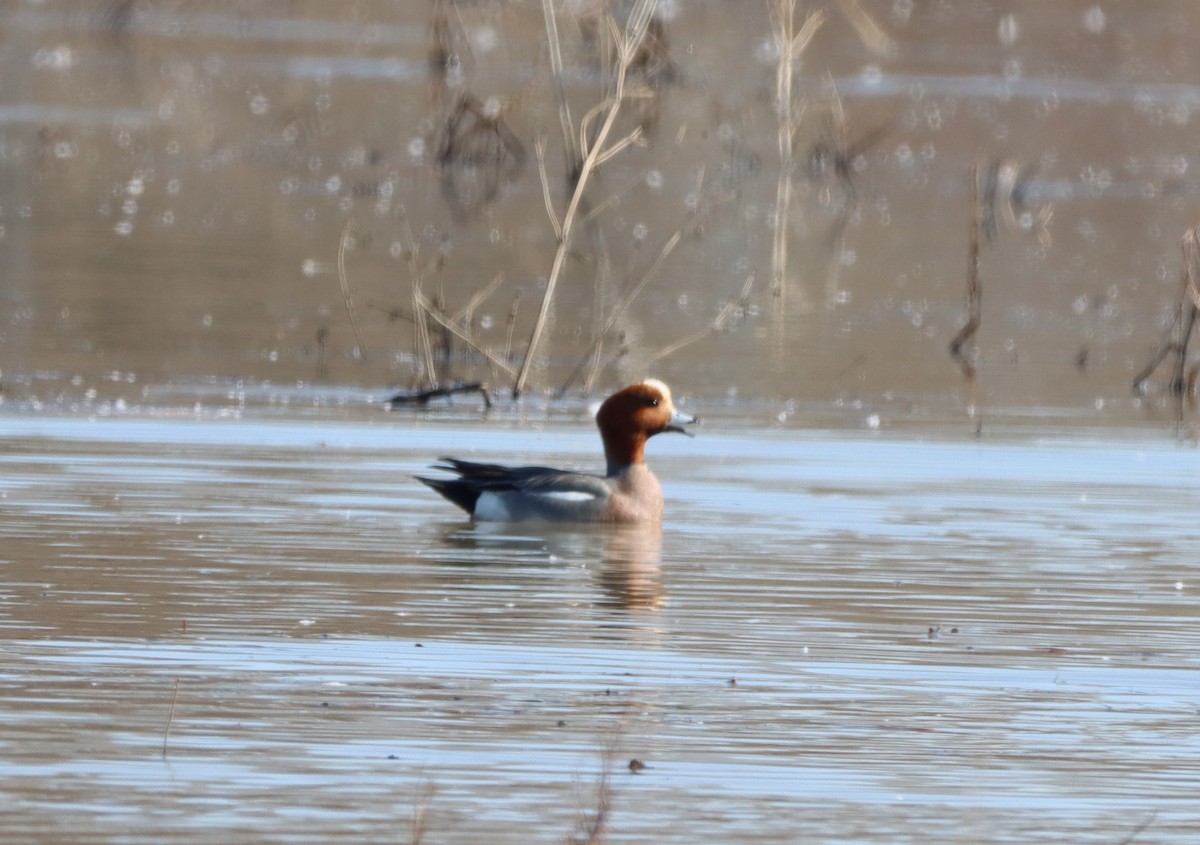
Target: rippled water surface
899,597
261,630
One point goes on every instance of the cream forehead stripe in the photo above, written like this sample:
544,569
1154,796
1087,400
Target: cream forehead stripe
655,384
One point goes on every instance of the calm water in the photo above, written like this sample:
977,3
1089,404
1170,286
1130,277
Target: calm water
889,605
175,181
838,636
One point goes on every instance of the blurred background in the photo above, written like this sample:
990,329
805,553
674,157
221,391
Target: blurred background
307,197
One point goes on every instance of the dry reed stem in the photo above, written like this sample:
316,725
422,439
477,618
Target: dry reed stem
632,139
596,209
418,825
869,32
843,169
344,281
635,31
1190,249
467,313
539,151
974,294
1188,305
448,323
170,718
424,350
590,828
1142,825
715,326
574,159
622,306
789,44
511,325
1178,334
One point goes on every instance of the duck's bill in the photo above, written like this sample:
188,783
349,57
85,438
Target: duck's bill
678,421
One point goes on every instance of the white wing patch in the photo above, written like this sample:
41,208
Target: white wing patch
568,496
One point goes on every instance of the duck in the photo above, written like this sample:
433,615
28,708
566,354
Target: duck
628,492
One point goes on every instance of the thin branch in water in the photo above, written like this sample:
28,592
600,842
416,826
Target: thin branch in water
344,281
590,826
574,158
616,197
424,350
634,138
511,325
1178,335
539,151
789,44
635,31
448,324
718,323
170,718
974,294
622,306
423,397
419,824
1137,831
467,312
869,32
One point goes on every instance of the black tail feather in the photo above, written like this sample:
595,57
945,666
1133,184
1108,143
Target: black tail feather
460,492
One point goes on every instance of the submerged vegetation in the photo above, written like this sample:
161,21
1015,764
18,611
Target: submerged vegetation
547,197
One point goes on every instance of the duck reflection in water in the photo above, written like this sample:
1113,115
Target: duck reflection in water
624,560
630,574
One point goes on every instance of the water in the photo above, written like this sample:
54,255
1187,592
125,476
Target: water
176,183
836,637
889,604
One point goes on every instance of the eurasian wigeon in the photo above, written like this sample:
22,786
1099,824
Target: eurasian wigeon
627,492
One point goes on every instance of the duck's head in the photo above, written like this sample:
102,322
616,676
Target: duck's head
632,415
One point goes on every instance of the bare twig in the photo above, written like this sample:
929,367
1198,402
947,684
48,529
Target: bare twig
419,305
633,138
1165,346
715,326
347,297
1178,334
467,312
635,31
974,309
423,397
539,151
170,718
589,830
511,325
1142,825
597,208
430,309
622,306
419,824
789,44
574,159
870,33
